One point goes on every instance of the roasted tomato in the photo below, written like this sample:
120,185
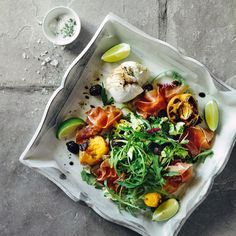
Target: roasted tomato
152,199
150,103
184,174
199,139
95,151
184,108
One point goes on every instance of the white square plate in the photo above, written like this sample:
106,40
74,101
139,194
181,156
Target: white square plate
49,156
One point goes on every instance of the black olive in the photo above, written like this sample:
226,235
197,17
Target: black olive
155,148
95,90
116,143
156,151
162,113
73,147
147,87
83,146
176,82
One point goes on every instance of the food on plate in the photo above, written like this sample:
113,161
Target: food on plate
199,139
140,147
212,115
94,153
183,107
182,173
152,199
126,81
116,53
98,120
150,103
104,117
73,147
166,210
95,90
68,127
171,83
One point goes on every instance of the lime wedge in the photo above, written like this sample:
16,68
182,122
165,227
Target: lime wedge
166,210
212,115
116,53
68,127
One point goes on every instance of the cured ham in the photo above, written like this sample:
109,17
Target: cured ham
98,120
184,174
150,103
199,139
86,133
106,172
105,117
170,90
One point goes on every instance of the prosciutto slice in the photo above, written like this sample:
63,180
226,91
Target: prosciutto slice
106,172
86,133
150,103
98,120
105,117
199,139
170,90
184,172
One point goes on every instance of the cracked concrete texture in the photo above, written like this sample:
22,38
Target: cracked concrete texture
142,14
32,205
206,31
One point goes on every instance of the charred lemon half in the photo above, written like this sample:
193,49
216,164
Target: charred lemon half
183,108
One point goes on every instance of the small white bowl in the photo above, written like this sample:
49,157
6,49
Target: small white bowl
51,20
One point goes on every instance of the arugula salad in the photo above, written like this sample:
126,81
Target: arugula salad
140,146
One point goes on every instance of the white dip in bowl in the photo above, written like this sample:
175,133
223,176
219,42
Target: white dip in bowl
61,25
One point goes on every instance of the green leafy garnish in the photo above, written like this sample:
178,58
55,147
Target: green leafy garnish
169,153
104,97
177,129
201,157
178,77
90,179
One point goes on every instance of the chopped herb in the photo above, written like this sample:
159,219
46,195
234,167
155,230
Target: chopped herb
69,28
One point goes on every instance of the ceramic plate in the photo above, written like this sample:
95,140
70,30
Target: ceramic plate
49,156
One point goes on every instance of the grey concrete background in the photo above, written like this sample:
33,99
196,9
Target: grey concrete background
29,203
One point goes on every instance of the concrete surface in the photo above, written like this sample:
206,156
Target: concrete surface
32,205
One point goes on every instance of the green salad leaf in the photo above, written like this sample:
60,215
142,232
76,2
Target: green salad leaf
90,179
177,129
201,157
145,171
